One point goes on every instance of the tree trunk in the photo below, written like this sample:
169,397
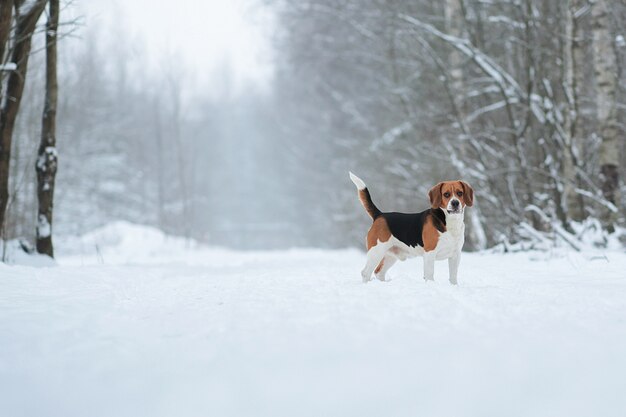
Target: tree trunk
46,166
26,20
6,8
605,68
573,57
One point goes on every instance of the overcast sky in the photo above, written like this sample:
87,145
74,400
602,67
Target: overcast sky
200,35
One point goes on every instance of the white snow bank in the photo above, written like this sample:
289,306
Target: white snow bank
208,332
122,242
20,253
587,237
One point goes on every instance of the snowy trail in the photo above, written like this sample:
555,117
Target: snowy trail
295,333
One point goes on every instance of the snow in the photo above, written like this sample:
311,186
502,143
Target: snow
41,162
9,66
486,109
136,323
50,154
13,253
43,227
506,20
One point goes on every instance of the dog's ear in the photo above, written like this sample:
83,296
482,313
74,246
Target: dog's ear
468,194
435,195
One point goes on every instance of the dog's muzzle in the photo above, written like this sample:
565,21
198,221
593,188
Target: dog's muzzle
454,206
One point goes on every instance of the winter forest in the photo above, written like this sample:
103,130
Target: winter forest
523,99
179,234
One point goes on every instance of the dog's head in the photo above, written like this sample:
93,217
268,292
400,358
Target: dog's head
451,196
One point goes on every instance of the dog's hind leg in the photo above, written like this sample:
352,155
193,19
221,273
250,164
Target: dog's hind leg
374,256
384,266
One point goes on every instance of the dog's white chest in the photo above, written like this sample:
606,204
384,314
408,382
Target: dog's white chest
448,245
451,241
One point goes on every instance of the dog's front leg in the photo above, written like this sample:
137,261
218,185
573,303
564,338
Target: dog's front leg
453,265
429,266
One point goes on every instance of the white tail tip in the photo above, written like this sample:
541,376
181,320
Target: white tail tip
357,181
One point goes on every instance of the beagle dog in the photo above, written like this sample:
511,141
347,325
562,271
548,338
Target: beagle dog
435,234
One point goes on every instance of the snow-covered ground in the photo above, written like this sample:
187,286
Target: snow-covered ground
133,323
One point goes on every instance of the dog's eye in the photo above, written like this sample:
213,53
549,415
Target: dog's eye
460,193
446,195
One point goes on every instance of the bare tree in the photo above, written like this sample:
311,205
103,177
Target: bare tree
46,166
498,92
605,68
573,79
27,14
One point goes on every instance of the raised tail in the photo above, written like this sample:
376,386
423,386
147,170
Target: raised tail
364,196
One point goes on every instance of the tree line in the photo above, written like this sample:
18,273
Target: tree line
141,144
524,99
